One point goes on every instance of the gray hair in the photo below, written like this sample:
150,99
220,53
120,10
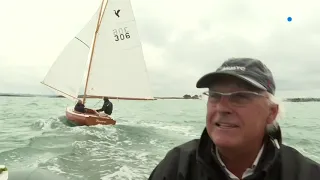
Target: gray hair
274,129
279,102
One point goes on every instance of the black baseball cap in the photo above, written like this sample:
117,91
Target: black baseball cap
250,70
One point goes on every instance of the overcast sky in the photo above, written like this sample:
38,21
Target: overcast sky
182,40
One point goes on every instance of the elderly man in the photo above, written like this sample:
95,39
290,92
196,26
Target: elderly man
237,143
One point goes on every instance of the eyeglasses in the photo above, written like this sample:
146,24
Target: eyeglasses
239,98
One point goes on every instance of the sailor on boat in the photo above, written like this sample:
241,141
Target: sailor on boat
107,107
79,107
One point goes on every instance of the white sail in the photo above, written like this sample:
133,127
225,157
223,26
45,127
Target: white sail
66,74
118,68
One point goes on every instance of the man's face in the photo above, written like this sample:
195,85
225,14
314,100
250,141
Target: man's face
237,120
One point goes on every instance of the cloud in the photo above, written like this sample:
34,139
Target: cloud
183,40
247,29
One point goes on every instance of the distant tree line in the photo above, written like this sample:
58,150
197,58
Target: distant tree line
302,99
187,96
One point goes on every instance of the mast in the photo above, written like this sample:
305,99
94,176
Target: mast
102,10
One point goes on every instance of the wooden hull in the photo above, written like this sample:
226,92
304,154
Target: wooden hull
87,119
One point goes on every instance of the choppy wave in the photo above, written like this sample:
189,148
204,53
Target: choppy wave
34,133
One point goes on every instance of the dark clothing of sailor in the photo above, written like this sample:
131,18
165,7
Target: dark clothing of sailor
107,106
80,107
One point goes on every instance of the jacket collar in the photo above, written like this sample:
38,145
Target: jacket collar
269,156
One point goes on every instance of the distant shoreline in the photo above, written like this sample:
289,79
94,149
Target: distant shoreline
80,96
302,99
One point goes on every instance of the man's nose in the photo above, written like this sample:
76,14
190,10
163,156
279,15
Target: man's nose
223,106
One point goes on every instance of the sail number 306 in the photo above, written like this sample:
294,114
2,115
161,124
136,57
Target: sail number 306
121,34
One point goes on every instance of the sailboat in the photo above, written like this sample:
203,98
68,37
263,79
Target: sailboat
113,65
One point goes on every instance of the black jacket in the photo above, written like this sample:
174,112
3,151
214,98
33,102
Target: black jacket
80,108
194,160
107,107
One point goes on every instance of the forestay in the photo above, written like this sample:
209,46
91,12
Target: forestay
118,68
66,74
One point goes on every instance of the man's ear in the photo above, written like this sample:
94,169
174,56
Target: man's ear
274,110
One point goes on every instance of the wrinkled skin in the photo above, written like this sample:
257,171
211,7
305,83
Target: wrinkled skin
250,120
